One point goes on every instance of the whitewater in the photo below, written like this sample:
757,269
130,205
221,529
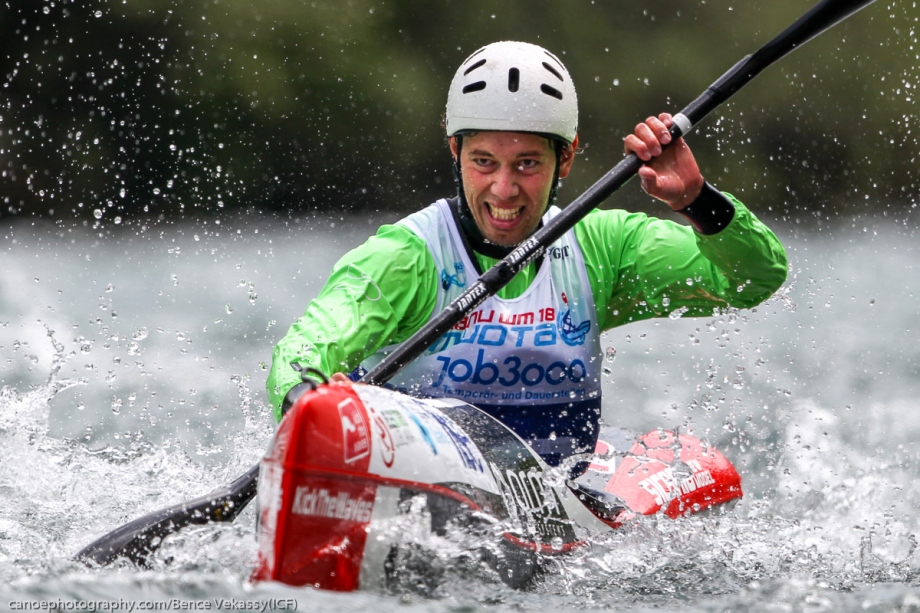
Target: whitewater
132,378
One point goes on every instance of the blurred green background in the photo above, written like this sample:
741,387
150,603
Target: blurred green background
143,109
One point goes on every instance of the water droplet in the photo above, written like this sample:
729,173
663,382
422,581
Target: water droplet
554,476
97,213
140,334
610,354
97,14
228,308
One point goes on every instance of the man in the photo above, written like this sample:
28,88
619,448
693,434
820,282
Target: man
531,355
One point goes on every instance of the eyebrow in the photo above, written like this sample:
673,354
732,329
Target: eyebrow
534,153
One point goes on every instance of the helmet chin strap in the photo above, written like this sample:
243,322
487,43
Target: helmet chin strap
558,147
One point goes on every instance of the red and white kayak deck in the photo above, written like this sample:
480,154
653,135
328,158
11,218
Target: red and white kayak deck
346,458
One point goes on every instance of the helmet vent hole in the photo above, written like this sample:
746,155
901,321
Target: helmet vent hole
553,70
549,91
474,67
514,79
478,86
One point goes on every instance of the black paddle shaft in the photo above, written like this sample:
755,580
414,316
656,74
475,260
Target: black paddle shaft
142,537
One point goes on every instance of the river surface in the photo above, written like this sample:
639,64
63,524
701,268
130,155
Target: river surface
133,368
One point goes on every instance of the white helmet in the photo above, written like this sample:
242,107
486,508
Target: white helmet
513,87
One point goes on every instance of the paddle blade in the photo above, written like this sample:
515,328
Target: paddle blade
139,539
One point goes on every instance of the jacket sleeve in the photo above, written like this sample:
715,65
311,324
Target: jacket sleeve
377,294
642,267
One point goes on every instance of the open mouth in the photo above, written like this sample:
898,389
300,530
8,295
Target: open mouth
504,214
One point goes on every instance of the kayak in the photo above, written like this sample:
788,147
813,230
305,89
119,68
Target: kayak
349,462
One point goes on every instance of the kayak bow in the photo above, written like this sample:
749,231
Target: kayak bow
350,462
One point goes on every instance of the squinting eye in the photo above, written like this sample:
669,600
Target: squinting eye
527,164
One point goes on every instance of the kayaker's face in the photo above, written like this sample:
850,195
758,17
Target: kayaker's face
507,178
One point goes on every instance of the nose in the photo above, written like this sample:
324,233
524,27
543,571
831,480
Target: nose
504,185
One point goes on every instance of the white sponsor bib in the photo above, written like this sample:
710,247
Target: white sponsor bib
542,348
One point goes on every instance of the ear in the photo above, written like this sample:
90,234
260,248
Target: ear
568,157
453,147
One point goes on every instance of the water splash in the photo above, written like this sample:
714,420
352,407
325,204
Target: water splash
60,494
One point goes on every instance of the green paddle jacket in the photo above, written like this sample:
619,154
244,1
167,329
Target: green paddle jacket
638,266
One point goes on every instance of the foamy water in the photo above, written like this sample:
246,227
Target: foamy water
133,378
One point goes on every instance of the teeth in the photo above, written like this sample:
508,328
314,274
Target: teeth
504,214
